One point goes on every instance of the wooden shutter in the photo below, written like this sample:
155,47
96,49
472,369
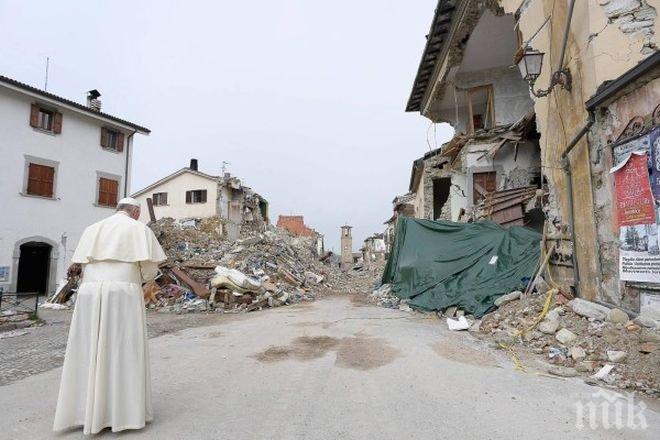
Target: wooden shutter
57,122
104,137
203,196
34,115
41,180
120,141
108,190
188,196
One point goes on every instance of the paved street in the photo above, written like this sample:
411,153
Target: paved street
335,368
37,349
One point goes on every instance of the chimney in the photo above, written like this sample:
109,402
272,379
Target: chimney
193,164
93,100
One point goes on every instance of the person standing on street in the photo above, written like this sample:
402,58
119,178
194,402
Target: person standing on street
105,378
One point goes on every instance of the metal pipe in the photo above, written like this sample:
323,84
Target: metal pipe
129,142
567,30
566,165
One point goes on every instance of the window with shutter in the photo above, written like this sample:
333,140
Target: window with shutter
45,119
159,199
196,196
112,139
108,190
41,179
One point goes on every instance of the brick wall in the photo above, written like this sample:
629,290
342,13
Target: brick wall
295,224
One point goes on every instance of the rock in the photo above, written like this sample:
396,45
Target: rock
645,321
541,286
548,326
577,353
631,327
504,299
560,371
565,336
647,347
589,309
617,316
451,311
584,367
616,356
555,313
476,326
460,313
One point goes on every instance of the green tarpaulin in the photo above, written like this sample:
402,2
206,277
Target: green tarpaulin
439,264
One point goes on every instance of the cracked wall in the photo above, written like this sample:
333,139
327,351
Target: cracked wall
597,51
635,18
611,124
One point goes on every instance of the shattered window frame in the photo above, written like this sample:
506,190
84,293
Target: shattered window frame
489,116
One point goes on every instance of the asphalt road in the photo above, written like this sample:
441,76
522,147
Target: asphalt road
340,369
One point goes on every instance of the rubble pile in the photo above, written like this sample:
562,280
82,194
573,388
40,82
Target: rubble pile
579,337
265,267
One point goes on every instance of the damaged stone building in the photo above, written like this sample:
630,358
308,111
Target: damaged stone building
555,110
295,225
465,79
191,194
373,250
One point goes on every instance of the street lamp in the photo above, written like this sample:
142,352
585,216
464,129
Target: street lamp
530,65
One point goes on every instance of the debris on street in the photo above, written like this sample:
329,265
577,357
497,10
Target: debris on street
582,336
264,267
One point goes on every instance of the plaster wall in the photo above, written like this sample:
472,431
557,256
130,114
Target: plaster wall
597,50
176,207
78,159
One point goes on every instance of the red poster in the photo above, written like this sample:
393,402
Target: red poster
634,200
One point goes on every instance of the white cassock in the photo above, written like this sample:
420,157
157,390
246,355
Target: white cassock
105,379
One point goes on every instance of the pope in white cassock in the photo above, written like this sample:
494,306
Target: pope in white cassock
105,379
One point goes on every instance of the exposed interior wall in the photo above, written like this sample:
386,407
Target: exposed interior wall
511,96
435,167
597,51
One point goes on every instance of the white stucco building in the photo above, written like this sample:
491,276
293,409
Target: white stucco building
191,194
186,193
66,165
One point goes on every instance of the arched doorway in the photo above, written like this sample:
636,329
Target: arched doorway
34,267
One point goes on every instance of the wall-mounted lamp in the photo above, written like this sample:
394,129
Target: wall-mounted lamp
530,64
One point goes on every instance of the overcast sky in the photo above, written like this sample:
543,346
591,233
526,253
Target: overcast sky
304,98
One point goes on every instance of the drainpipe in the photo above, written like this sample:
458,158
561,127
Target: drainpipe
129,142
566,165
567,30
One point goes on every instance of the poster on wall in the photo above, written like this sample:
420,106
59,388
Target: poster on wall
621,152
634,201
639,254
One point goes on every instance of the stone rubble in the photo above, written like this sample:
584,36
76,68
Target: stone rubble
581,337
264,267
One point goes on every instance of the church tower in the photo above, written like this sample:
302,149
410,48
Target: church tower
346,247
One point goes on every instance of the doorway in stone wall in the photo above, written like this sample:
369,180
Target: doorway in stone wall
441,188
33,267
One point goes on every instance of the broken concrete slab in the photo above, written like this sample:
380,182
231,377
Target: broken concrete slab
588,309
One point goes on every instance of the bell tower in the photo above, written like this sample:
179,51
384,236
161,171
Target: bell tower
346,247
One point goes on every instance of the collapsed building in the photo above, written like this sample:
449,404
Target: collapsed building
374,250
189,194
545,131
402,206
471,86
295,225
